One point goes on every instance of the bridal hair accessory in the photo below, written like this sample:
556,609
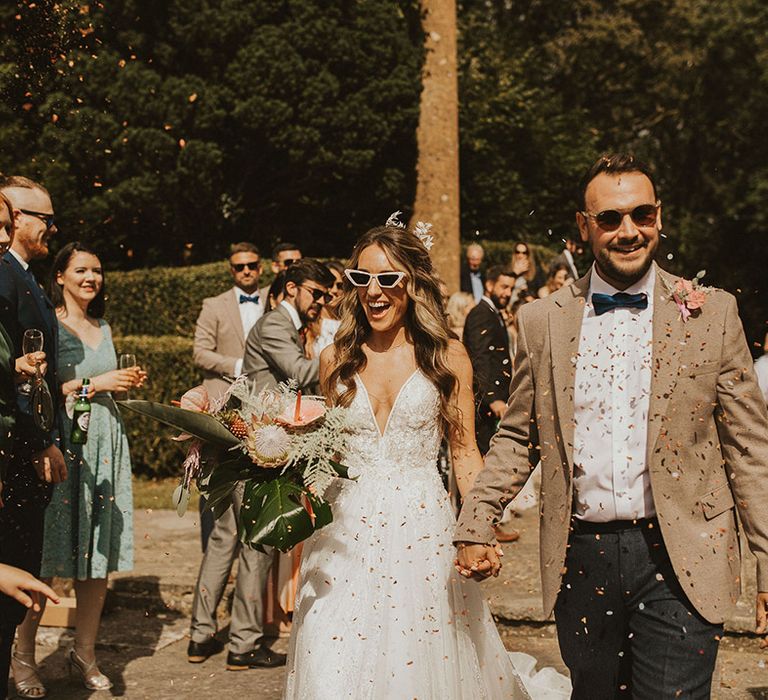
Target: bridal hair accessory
690,295
421,230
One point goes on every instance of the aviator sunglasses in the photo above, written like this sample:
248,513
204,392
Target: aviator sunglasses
385,280
239,267
610,219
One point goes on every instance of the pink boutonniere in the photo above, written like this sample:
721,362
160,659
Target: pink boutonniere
690,296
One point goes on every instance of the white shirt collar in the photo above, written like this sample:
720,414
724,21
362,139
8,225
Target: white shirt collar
239,291
490,303
293,314
18,257
645,285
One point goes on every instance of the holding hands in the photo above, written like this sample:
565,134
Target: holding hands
478,561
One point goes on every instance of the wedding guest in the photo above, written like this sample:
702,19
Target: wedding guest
276,291
274,350
557,278
89,522
15,584
566,257
523,264
283,256
456,310
321,332
222,327
36,461
472,273
487,343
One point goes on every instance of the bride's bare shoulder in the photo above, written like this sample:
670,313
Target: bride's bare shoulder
327,361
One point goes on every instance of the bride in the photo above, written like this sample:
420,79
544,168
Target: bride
381,613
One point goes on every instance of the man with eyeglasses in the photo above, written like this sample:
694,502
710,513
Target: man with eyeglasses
222,327
35,462
644,409
274,350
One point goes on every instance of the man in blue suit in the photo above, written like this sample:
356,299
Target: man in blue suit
36,461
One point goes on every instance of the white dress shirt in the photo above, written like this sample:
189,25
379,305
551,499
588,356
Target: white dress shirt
476,280
18,257
293,314
761,369
250,312
611,398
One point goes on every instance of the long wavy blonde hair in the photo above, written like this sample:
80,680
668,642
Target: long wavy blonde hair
425,323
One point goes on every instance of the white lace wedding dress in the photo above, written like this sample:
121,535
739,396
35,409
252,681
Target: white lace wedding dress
381,613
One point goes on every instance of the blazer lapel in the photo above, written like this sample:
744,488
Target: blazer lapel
668,340
232,310
565,333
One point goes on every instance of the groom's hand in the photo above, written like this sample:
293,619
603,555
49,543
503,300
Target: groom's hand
477,560
761,613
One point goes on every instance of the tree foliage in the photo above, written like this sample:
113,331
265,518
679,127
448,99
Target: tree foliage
548,85
167,129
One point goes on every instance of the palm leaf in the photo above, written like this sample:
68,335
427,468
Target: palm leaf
201,425
272,514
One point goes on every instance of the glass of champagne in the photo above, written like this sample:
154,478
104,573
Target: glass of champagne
127,360
32,342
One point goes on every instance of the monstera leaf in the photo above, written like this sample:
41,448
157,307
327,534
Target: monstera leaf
200,425
273,514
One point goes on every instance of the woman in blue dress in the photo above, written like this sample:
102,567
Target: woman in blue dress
89,522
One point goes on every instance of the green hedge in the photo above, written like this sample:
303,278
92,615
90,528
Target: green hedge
168,360
165,300
153,312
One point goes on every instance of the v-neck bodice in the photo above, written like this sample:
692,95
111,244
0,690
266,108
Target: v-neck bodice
411,437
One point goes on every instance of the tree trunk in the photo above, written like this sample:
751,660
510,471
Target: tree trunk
437,186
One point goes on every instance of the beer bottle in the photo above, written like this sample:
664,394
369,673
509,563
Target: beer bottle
81,416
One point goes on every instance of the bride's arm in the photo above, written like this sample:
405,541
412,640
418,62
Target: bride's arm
466,458
326,363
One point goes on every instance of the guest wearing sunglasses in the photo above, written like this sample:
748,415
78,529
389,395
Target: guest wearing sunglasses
222,327
274,350
523,264
320,333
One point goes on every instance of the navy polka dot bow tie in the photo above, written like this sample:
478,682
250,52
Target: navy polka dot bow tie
605,302
245,299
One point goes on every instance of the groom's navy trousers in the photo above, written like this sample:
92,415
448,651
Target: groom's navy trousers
626,628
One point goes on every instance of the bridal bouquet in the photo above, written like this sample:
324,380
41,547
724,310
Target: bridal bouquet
281,445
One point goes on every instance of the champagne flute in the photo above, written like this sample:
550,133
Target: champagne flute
32,341
127,360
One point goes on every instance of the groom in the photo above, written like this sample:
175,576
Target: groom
651,434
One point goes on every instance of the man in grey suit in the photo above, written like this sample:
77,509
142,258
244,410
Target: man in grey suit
223,324
274,351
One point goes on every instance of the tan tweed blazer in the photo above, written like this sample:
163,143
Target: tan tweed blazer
707,442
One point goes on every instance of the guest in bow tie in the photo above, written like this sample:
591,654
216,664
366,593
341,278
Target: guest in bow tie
637,393
222,327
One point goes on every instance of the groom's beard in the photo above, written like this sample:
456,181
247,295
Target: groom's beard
626,273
